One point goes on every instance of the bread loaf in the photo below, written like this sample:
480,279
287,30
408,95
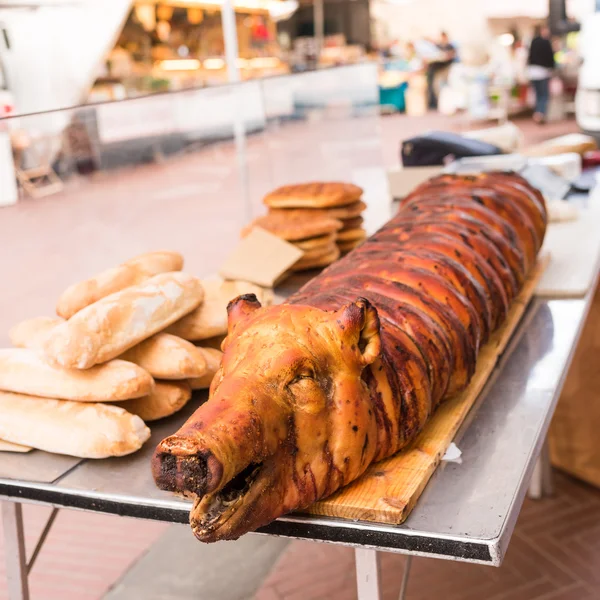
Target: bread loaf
166,399
213,362
314,195
164,356
214,342
73,428
32,332
131,272
210,318
10,447
22,370
118,322
167,356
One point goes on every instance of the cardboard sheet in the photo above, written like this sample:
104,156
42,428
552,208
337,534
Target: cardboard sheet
261,258
575,250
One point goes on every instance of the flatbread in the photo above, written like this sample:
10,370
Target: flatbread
31,333
351,235
316,242
313,195
354,223
213,362
348,211
167,398
292,228
214,342
346,247
319,252
74,428
10,447
327,259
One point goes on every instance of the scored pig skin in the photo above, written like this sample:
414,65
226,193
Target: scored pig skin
351,367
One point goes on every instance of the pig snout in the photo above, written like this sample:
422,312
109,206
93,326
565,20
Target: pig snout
223,437
180,465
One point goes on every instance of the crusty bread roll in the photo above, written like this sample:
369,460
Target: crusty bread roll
10,447
163,355
73,428
32,332
214,342
167,356
131,272
213,362
210,318
166,399
22,370
118,322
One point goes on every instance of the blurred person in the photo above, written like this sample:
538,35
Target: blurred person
520,57
436,67
539,70
414,61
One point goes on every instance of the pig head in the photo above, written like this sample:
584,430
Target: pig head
289,418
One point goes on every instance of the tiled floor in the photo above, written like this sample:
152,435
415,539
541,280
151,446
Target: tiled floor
193,203
84,553
554,554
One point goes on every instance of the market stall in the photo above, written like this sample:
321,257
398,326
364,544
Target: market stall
174,45
464,514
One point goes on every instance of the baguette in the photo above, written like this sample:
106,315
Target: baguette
131,272
166,399
22,370
32,332
166,356
10,447
210,319
63,427
213,362
118,322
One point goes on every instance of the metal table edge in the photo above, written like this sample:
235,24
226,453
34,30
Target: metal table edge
316,528
510,523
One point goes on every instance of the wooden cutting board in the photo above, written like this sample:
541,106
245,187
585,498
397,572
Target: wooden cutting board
389,489
575,250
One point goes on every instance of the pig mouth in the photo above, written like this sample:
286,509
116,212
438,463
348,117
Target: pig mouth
212,511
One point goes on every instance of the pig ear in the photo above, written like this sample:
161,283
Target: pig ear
360,323
239,308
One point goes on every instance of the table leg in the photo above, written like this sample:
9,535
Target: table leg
541,479
367,574
14,549
404,585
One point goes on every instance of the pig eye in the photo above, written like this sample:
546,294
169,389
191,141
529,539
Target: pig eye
302,375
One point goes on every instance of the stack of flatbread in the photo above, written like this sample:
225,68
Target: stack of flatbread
119,354
324,220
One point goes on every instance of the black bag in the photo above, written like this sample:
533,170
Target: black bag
439,147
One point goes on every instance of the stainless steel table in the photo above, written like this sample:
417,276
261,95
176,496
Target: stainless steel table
467,512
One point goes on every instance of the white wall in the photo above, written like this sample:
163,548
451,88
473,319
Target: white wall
464,20
55,50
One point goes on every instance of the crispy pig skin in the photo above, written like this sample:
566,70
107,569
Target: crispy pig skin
350,368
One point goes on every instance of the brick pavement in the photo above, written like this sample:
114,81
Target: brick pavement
84,553
192,203
554,554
